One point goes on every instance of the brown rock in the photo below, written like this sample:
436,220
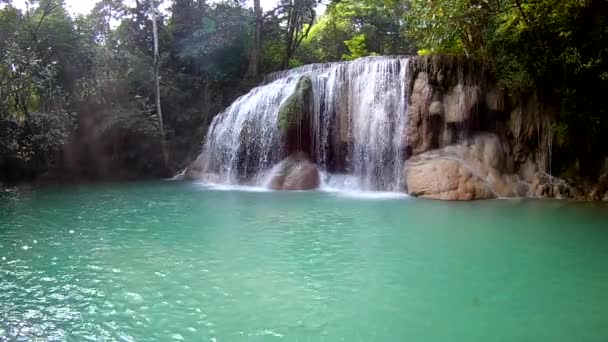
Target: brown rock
459,103
419,127
445,179
436,108
295,173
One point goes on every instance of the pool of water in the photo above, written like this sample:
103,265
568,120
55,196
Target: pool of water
177,261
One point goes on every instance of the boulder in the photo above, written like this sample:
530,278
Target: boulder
296,172
470,170
444,179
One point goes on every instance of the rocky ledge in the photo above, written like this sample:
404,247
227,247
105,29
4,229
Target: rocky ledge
477,169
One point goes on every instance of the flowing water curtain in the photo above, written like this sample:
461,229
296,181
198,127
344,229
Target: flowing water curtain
377,105
243,141
358,124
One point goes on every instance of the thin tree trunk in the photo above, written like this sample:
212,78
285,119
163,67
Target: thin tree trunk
254,58
159,111
291,17
521,11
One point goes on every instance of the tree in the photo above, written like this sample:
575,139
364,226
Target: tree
254,56
558,49
159,111
34,76
351,29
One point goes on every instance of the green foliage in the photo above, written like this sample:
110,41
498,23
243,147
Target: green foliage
443,26
356,28
557,48
83,87
34,119
85,84
357,47
217,41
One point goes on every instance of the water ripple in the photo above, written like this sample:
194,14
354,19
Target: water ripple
174,262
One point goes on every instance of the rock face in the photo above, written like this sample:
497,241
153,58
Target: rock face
466,171
467,139
296,172
474,170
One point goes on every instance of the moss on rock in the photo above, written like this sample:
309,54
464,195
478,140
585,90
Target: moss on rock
296,108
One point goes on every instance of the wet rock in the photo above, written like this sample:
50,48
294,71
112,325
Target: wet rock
296,107
194,171
296,172
599,192
495,100
295,117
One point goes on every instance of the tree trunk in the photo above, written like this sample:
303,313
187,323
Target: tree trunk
291,18
254,58
159,111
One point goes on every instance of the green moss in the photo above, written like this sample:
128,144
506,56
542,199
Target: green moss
297,106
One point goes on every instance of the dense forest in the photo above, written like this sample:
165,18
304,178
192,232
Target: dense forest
127,91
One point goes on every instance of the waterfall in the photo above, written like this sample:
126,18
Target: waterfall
358,125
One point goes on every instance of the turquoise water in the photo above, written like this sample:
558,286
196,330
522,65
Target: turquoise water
175,261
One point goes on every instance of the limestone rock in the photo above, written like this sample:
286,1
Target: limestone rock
445,179
419,127
476,169
436,108
459,103
295,173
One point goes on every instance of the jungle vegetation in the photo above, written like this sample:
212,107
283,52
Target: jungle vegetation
128,90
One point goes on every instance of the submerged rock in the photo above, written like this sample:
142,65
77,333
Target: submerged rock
296,172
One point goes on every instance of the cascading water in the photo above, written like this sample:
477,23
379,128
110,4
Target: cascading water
358,125
377,103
